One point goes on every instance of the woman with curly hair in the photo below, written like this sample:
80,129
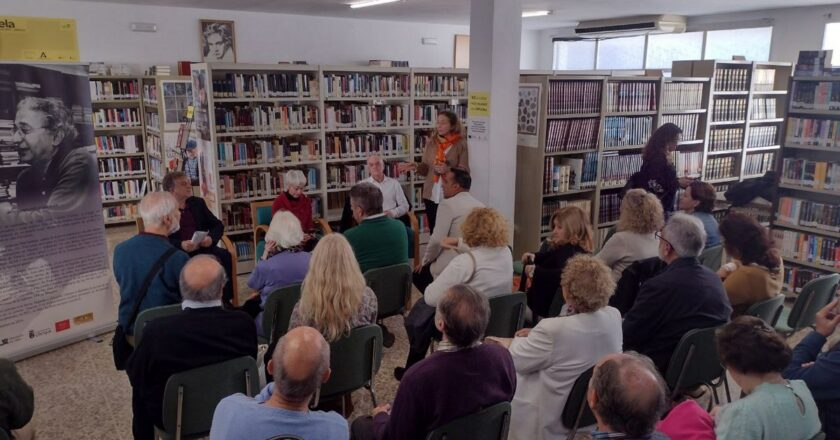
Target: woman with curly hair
550,357
755,274
640,218
657,174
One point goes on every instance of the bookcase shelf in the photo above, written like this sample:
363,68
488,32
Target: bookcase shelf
816,231
813,147
808,189
802,111
812,265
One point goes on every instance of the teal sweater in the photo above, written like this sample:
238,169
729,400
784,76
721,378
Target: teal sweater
379,242
770,412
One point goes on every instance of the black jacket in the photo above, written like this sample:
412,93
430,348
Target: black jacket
632,280
658,177
684,297
548,269
204,221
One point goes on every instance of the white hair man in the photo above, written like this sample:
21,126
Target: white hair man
394,203
684,297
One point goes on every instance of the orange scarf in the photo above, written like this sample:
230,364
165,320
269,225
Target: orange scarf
440,155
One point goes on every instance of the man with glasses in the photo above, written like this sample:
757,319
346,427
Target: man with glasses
684,297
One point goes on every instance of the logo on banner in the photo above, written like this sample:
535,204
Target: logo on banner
82,319
34,334
62,325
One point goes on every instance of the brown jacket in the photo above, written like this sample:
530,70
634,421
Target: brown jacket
457,157
751,284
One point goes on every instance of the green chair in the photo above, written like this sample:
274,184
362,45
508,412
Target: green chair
354,360
260,219
819,436
392,286
4,435
814,296
712,257
507,315
278,311
491,423
190,397
576,412
150,314
768,310
695,362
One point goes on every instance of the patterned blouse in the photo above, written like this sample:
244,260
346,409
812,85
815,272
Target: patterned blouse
365,316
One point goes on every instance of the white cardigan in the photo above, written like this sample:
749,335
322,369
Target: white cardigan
493,274
625,248
549,361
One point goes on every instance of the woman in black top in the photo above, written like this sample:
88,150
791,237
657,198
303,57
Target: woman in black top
657,175
571,235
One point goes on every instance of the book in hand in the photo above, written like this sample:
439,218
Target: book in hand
199,236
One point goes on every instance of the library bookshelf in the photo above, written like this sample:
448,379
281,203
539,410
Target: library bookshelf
165,102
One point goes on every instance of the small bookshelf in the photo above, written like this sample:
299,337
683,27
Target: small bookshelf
165,102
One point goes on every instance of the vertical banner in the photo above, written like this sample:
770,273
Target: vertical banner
528,117
203,123
55,286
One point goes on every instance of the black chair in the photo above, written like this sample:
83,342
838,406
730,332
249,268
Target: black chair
768,310
278,311
354,361
491,423
507,315
392,286
696,362
576,412
4,435
814,296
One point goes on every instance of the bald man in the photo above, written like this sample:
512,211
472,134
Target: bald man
202,334
627,396
300,364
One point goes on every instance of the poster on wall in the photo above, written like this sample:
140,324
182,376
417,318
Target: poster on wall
528,116
38,39
55,287
203,150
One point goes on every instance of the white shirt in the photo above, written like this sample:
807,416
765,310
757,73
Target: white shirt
493,274
450,215
437,189
190,304
393,196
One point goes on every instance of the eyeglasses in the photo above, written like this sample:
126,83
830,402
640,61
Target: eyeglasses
658,235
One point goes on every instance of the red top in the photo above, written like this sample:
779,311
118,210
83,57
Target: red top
301,207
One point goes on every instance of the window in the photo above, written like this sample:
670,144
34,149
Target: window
753,43
574,55
664,48
831,41
621,53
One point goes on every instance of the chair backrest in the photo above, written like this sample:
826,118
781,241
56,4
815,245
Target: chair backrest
576,412
278,311
814,296
4,435
354,360
392,286
768,310
820,436
695,361
147,315
261,213
507,315
712,257
190,397
491,423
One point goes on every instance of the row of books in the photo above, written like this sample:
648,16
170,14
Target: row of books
115,190
562,175
815,63
346,176
125,211
722,167
568,97
153,121
616,169
108,89
124,144
549,207
420,141
266,118
244,250
813,95
365,116
688,124
811,174
732,79
427,114
260,151
806,247
726,139
265,85
156,168
729,109
808,213
418,199
631,96
236,217
362,145
759,163
763,108
571,135
423,223
624,131
688,163
764,80
262,183
121,166
818,132
439,85
762,136
795,278
150,93
154,146
678,96
117,117
355,85
609,207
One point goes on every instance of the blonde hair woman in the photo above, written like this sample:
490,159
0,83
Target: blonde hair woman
334,296
640,218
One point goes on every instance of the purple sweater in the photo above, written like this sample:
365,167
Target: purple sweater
446,386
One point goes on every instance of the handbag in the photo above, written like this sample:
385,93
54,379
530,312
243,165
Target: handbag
121,348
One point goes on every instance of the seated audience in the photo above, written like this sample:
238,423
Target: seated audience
284,262
755,274
203,334
551,356
196,216
300,364
459,379
640,217
571,234
698,199
821,371
394,203
755,355
685,296
295,201
17,403
378,240
627,396
453,209
136,257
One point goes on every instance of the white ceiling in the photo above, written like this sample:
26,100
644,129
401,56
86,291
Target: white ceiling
566,12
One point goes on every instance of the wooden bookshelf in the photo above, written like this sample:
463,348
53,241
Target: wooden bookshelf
165,101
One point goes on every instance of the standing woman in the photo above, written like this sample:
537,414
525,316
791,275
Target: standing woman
447,149
657,175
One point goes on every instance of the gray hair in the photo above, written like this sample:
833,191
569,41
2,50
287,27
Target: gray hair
465,314
211,290
368,197
285,230
298,390
155,206
685,233
294,178
58,118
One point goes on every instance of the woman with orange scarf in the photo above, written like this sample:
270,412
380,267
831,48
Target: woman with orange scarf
446,149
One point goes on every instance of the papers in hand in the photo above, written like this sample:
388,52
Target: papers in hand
198,236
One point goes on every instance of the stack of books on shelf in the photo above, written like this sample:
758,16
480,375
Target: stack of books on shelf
264,183
150,94
121,166
552,206
113,213
625,131
616,169
362,145
266,85
102,89
572,97
729,109
759,163
721,167
115,190
571,135
365,116
423,223
160,70
732,79
609,207
420,141
795,278
810,214
764,80
688,124
244,250
817,132
811,174
631,96
814,63
562,175
439,85
815,95
266,118
275,151
124,144
356,85
117,118
726,139
153,121
427,114
237,217
762,136
682,96
688,163
347,176
763,108
802,247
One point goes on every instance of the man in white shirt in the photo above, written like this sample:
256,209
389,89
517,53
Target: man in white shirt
452,211
394,203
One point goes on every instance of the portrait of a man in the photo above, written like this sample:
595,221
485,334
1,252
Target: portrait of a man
217,41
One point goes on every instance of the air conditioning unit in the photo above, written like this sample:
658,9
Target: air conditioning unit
631,26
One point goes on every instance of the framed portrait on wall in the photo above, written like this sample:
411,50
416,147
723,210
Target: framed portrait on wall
218,42
528,118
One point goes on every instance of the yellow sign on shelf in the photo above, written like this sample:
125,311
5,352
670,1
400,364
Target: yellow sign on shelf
478,104
38,39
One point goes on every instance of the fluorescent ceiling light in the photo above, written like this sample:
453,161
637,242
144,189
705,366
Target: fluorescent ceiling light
366,3
527,14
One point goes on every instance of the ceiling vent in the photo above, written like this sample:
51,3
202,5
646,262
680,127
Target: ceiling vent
631,26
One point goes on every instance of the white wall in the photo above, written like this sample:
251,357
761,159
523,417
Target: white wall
104,35
529,51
